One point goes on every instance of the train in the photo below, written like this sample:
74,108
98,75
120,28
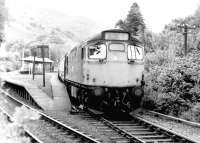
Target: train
105,72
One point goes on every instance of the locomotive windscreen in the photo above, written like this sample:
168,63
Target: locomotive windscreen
108,35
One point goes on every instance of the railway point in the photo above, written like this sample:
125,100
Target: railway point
51,97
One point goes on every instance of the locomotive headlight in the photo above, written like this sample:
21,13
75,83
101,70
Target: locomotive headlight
138,92
98,91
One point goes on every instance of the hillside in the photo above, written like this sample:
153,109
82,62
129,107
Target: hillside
60,31
30,24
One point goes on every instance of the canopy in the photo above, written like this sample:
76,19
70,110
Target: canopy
38,60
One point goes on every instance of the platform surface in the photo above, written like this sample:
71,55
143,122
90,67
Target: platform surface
51,97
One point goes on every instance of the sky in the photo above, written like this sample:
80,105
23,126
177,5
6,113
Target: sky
156,13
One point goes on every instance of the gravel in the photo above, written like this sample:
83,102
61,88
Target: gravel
180,128
12,132
47,133
43,130
84,125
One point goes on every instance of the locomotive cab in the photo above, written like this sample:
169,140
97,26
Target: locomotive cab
113,63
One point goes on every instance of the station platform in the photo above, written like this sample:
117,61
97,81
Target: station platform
53,96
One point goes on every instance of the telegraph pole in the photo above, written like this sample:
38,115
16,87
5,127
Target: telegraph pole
185,38
186,27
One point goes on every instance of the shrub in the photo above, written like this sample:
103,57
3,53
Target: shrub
149,102
172,104
173,84
193,114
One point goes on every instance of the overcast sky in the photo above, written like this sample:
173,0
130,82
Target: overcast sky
156,13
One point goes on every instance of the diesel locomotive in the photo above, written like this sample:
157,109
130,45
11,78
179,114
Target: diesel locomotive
105,72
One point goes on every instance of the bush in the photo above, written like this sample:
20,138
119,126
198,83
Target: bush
193,114
172,104
173,84
167,103
149,102
158,58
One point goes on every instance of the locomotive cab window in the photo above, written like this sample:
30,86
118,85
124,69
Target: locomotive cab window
97,51
135,52
117,47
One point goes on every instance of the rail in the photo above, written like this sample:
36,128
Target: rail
57,123
141,131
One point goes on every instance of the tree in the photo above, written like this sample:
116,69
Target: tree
3,17
148,42
134,21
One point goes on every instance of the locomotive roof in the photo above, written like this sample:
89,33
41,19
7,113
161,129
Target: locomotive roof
100,36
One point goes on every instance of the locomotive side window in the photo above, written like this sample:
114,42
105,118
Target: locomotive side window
82,53
135,52
97,51
66,64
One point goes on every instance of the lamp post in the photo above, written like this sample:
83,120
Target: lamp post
22,58
44,54
42,51
33,52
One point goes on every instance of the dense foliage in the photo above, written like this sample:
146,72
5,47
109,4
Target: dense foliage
173,79
174,85
3,18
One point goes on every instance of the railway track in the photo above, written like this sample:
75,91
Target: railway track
58,131
136,129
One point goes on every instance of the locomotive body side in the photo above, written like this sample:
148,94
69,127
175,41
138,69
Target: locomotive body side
74,66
